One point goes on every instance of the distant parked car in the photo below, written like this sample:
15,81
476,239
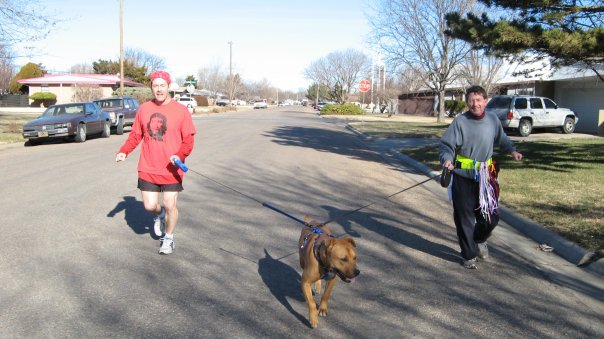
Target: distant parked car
222,102
187,101
523,113
260,104
74,121
121,109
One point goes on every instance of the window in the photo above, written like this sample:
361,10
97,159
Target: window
536,103
549,103
521,103
500,102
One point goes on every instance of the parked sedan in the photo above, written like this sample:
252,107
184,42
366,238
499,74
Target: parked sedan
71,121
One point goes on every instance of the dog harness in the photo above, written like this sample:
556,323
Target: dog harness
328,273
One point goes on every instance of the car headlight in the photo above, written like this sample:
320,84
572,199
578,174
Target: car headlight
112,115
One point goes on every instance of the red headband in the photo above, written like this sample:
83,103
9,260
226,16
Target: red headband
160,75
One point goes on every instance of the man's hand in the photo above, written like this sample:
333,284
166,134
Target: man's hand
174,158
448,164
517,156
120,157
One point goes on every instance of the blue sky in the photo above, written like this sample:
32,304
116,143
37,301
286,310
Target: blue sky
272,39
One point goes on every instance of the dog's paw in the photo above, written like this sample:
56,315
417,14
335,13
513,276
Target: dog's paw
322,311
314,320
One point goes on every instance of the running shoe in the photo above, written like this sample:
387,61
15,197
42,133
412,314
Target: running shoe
159,223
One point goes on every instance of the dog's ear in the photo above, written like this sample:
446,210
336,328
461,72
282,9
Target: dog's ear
351,241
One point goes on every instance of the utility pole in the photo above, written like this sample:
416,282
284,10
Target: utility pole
230,72
121,47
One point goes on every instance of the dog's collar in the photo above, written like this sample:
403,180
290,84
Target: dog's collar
328,273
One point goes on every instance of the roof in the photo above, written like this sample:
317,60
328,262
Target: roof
85,79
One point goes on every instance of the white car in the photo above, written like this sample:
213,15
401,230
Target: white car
260,104
187,101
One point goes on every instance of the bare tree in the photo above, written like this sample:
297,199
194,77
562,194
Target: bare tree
81,69
7,68
22,21
212,78
142,58
411,33
340,71
481,69
87,92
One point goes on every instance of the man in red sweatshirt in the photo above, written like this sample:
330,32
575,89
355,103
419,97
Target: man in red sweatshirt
167,132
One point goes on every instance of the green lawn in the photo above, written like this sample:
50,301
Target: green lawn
559,183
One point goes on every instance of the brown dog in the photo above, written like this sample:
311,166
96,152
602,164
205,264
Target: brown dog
324,257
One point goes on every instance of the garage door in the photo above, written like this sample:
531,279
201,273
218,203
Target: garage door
586,103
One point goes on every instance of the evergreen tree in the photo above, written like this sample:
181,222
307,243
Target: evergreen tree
28,71
567,31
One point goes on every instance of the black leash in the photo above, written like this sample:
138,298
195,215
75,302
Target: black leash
267,205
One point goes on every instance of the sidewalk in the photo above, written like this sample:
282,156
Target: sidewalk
570,251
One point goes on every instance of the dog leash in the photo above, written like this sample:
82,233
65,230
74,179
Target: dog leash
267,205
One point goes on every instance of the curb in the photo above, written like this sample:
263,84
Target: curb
566,249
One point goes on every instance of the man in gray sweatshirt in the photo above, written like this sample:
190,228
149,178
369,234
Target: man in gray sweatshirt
466,149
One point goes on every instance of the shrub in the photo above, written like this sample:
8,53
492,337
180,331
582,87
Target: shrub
344,109
454,107
141,94
43,98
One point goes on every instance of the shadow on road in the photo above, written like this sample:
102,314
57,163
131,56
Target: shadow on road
371,222
135,215
283,281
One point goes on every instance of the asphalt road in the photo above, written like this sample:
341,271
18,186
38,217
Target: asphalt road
78,259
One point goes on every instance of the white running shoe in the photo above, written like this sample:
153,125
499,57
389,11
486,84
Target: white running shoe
159,223
167,245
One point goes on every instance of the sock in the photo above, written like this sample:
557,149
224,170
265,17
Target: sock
169,236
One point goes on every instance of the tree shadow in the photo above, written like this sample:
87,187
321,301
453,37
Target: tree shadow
371,222
283,281
135,215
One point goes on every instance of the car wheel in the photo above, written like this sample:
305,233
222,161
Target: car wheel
80,133
106,130
569,126
119,129
525,127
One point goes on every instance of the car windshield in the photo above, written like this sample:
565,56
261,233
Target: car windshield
500,102
110,103
53,111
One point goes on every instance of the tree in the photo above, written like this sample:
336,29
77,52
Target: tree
212,78
481,69
81,69
411,35
141,58
339,71
131,71
30,70
86,92
7,68
316,92
567,31
22,21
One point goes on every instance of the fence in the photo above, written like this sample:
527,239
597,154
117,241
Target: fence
14,100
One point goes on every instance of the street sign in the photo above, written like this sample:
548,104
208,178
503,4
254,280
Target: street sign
364,86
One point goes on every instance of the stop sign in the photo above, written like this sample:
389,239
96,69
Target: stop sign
364,86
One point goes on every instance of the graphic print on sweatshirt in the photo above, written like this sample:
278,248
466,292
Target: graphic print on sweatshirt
157,126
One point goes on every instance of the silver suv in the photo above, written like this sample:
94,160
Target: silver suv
523,113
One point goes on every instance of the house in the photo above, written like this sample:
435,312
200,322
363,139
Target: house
67,87
571,87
